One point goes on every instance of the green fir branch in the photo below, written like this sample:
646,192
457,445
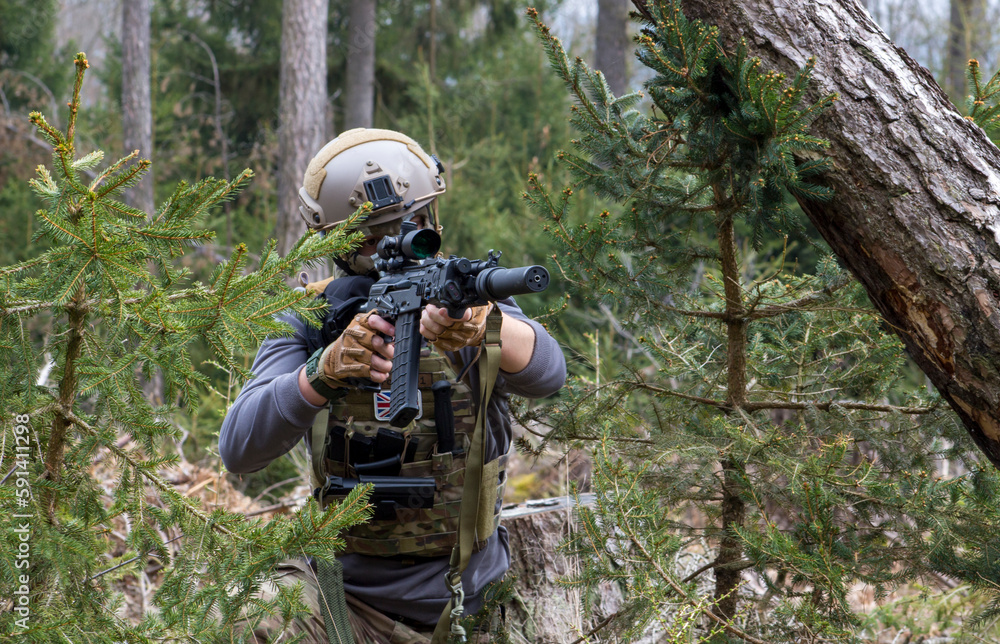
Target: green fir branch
113,300
982,104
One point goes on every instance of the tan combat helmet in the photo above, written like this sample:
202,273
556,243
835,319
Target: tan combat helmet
387,168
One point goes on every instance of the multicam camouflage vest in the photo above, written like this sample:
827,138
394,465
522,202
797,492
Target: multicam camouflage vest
354,421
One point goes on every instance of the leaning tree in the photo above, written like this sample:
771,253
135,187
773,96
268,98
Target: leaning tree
916,190
744,420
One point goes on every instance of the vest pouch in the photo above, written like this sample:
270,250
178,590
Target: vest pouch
444,462
416,531
447,469
427,532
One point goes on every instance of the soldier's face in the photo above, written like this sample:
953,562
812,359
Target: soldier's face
420,219
367,249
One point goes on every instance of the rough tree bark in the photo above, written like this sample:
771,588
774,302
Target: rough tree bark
612,42
137,104
546,611
301,108
359,88
917,188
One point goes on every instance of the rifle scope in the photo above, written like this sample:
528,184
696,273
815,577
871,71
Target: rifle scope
410,243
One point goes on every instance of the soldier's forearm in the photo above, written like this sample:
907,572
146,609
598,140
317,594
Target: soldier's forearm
518,344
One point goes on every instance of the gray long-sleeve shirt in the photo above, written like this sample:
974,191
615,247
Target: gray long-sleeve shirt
270,416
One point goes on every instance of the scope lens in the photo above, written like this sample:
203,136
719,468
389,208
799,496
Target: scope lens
422,244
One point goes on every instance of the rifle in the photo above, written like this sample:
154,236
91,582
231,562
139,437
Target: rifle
388,492
411,278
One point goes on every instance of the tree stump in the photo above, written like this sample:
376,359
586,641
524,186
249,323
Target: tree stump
545,611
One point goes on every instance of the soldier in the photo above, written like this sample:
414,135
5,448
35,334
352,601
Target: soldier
399,584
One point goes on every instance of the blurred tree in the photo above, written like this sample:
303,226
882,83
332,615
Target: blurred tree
137,107
137,124
359,83
26,45
302,107
942,36
612,47
28,81
216,78
968,33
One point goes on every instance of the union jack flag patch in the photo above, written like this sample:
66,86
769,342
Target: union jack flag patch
383,400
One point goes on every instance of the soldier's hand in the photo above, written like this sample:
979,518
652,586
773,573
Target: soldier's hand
360,352
449,334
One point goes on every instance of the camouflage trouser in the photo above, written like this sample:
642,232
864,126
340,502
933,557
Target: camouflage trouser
368,625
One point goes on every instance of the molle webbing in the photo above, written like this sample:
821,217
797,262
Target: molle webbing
476,492
333,605
416,531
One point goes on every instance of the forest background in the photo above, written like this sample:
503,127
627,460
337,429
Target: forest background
472,83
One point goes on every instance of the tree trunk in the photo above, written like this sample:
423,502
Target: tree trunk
727,579
137,129
917,188
545,611
137,104
301,108
359,89
612,43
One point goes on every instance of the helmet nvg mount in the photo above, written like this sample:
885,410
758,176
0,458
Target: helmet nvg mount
387,168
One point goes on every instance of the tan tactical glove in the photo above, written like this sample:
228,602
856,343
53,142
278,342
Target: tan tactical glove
464,334
350,355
